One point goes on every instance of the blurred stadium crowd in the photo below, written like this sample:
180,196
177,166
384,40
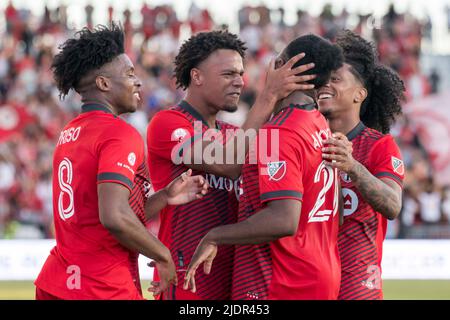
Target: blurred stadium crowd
28,43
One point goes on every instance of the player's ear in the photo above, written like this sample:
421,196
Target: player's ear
360,95
196,77
103,83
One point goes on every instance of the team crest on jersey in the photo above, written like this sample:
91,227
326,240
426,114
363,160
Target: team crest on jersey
276,170
132,158
350,201
398,166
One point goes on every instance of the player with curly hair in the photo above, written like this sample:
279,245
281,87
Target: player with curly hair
286,235
209,66
100,180
361,101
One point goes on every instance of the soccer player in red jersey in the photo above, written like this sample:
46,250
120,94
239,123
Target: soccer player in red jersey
286,236
360,102
99,178
209,67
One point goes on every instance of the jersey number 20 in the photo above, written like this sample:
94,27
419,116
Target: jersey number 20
65,174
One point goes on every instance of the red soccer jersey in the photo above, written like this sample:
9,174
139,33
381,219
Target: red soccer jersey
139,194
87,261
182,227
306,265
362,234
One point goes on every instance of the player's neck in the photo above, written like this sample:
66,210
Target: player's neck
207,112
88,99
344,123
297,97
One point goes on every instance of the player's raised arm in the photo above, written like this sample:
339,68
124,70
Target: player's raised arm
384,195
278,84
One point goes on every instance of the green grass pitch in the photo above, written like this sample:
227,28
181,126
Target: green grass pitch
393,290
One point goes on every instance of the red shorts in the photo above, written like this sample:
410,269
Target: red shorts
44,295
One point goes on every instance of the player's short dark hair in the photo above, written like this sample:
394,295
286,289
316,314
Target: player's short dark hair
384,86
198,48
87,51
326,56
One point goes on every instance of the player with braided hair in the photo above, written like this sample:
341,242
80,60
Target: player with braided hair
361,101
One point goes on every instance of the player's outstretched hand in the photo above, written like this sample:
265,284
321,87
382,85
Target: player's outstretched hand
205,253
284,80
186,188
337,152
167,275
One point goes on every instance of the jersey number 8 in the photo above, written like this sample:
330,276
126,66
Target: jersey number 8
65,174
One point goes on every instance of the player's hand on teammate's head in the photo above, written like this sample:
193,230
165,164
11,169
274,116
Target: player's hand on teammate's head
282,81
186,188
337,152
205,253
167,275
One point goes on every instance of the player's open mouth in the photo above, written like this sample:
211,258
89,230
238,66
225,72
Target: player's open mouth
137,96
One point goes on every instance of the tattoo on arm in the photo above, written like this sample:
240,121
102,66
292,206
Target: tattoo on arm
381,196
